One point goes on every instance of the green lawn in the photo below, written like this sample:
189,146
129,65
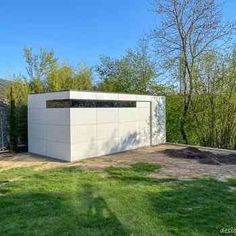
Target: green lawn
116,201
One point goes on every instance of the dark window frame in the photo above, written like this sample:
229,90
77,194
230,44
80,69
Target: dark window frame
89,103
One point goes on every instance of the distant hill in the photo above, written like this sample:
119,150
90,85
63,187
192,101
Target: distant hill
3,83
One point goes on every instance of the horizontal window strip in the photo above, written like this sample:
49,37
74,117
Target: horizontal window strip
82,103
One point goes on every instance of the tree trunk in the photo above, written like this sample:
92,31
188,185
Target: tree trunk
187,99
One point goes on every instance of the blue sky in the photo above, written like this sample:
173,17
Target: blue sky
77,30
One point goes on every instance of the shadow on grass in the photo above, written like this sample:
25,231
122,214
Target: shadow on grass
85,213
73,202
190,207
94,216
197,207
137,173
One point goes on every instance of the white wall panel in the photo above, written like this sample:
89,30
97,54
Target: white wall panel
76,133
83,95
38,116
83,133
56,95
158,120
128,130
144,133
39,100
127,97
83,116
58,150
37,131
143,104
107,146
83,150
107,96
143,114
58,133
107,131
57,116
128,114
38,146
36,102
107,115
144,98
48,129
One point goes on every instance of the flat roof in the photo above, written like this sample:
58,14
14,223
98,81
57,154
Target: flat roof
93,91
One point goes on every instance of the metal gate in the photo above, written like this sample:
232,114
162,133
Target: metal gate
3,128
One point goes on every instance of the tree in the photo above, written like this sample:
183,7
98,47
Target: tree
189,28
109,72
12,123
44,74
66,77
59,78
135,72
38,66
16,94
213,110
83,78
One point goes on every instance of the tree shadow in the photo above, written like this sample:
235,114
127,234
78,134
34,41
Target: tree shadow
75,213
203,157
159,127
116,144
94,216
32,213
137,173
197,207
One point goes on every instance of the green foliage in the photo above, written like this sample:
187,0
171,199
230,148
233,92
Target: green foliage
59,78
44,75
12,123
17,90
83,79
173,118
38,66
16,93
34,202
213,108
211,120
211,114
65,77
36,85
232,182
134,73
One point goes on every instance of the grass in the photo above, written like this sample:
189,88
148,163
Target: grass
232,182
116,201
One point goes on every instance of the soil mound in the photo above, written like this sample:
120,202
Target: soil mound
204,157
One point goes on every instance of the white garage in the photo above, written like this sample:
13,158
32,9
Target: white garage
74,125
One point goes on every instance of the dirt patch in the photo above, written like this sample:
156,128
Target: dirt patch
203,157
177,163
16,160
